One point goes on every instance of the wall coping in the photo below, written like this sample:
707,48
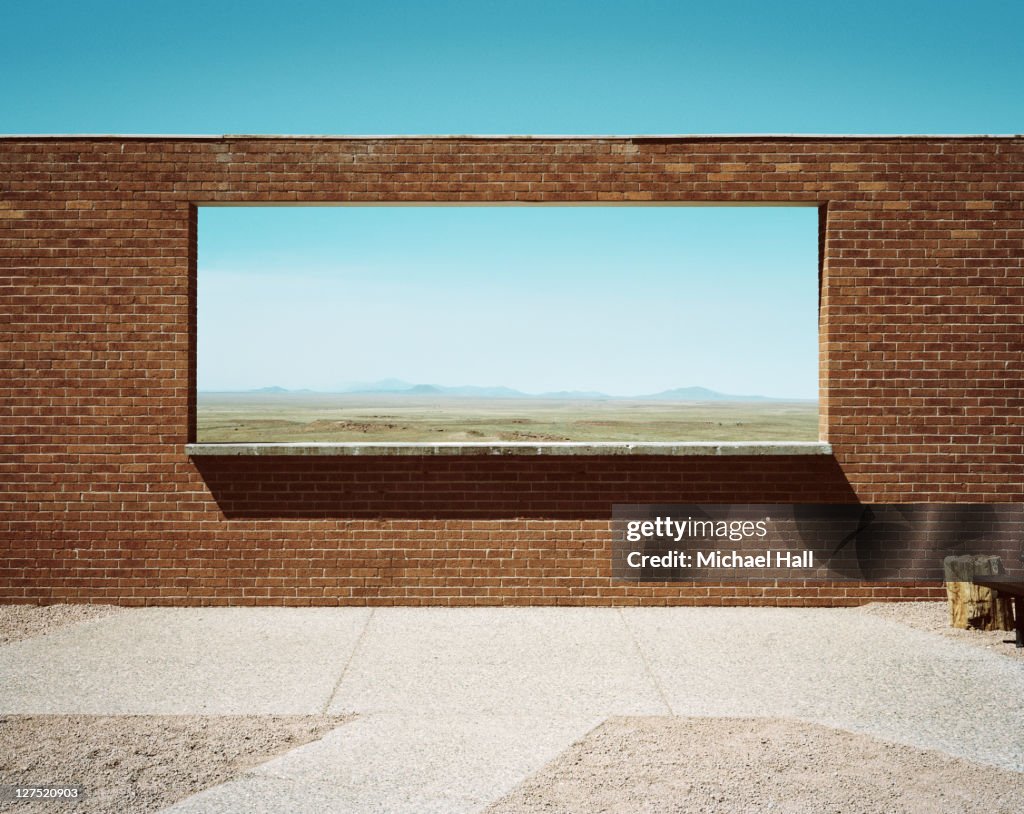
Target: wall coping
520,137
563,448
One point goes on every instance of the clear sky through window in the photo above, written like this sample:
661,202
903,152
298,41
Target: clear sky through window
626,301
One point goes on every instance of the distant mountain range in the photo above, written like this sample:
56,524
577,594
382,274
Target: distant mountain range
394,387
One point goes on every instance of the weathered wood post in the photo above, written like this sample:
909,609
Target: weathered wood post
973,606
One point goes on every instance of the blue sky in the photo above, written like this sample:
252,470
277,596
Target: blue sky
523,66
623,300
516,67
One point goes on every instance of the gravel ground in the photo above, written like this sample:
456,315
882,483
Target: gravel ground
679,765
748,765
141,763
19,622
933,617
136,763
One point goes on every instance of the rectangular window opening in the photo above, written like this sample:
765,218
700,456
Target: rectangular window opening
507,325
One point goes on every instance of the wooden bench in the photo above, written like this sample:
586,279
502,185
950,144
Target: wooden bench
1011,587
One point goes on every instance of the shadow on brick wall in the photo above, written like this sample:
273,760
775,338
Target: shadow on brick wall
474,487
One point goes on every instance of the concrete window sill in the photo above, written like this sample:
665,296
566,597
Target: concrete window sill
681,448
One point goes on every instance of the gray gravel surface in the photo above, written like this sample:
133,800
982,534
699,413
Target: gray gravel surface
19,622
933,617
141,763
748,765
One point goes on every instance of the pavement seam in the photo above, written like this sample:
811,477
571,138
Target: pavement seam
647,665
348,663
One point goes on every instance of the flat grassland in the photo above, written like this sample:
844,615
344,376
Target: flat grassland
268,417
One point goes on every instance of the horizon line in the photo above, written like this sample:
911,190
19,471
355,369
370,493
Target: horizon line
440,389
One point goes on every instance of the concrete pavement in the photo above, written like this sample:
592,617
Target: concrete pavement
457,706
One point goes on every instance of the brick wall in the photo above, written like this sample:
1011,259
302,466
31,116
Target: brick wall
922,331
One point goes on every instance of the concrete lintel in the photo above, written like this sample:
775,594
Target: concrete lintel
596,448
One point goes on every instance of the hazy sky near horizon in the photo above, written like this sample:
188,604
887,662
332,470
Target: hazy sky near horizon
534,67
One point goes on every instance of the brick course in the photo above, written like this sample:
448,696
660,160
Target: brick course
922,332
